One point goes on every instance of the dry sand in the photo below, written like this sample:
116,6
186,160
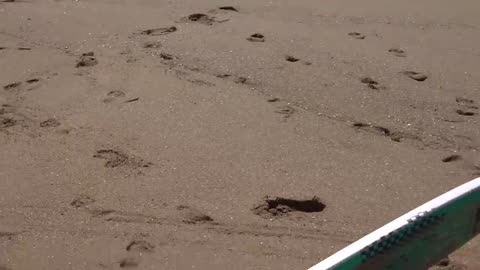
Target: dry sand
134,135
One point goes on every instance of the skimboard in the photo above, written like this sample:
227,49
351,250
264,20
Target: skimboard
418,239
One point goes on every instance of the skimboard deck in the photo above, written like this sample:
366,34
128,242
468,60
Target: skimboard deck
418,239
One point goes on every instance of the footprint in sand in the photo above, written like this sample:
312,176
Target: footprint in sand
236,79
465,113
51,122
292,59
159,31
271,100
152,45
16,85
223,75
398,52
193,216
87,60
123,217
396,136
368,80
256,38
240,80
167,56
9,235
34,80
82,201
287,111
200,18
112,95
371,83
131,100
356,35
115,158
229,8
129,263
372,129
201,82
399,136
140,246
417,76
6,122
6,108
464,101
33,83
452,158
278,207
12,86
116,93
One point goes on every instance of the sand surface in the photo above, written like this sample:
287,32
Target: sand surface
134,135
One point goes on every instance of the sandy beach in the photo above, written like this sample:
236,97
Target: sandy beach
214,134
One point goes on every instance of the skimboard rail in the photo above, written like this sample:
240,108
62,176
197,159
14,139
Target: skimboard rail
417,239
